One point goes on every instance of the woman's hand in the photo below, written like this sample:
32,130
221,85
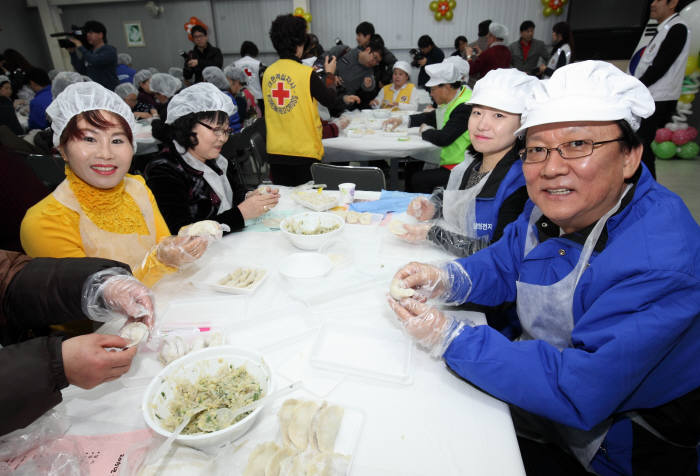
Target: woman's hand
415,233
428,280
176,251
392,123
351,98
421,208
258,203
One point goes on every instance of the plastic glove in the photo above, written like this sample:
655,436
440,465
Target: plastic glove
392,123
113,292
432,329
176,251
421,208
415,233
209,229
424,127
436,282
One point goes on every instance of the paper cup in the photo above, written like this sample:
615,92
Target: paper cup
347,193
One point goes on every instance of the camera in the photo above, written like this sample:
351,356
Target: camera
76,32
184,55
417,56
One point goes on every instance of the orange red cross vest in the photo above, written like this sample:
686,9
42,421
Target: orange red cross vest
291,113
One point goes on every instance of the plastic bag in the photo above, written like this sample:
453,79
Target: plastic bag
113,292
53,424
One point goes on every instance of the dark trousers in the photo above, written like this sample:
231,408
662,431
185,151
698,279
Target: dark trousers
290,175
647,130
425,181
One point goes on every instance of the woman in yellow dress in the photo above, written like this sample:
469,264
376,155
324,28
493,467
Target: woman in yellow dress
99,209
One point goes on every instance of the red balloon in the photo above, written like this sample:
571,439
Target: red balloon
663,135
680,137
692,133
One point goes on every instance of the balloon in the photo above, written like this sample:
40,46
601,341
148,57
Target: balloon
545,3
547,11
691,16
654,146
307,17
662,135
438,16
689,150
555,4
298,11
452,5
443,7
680,137
433,6
563,2
691,65
692,133
449,15
558,11
687,98
665,150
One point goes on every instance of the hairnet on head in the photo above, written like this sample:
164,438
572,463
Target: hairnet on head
4,79
140,76
503,89
442,73
124,89
165,84
587,91
460,63
176,72
200,97
124,58
52,73
498,30
153,70
63,80
235,74
214,75
82,97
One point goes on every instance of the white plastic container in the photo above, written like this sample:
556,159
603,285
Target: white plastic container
311,242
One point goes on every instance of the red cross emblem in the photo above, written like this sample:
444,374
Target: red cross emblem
247,72
281,93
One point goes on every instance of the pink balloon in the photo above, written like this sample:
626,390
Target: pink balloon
692,133
680,137
663,135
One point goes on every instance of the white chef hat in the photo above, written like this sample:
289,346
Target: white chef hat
214,75
587,91
165,84
442,73
200,97
81,97
503,89
63,80
461,64
498,30
403,66
140,76
124,89
234,73
124,58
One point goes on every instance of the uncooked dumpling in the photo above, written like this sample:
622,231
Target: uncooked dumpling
204,228
173,348
273,466
134,332
300,424
397,227
398,292
285,415
365,218
182,461
258,459
325,427
328,464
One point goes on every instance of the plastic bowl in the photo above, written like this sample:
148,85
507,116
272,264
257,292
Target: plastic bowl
191,366
312,242
303,265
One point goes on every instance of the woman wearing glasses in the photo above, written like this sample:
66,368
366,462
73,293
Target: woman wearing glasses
192,181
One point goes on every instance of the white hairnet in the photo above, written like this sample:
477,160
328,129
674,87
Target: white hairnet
176,72
82,97
235,74
214,75
52,73
153,70
124,58
503,89
460,63
124,89
200,97
165,84
140,76
63,80
587,91
498,30
403,66
4,79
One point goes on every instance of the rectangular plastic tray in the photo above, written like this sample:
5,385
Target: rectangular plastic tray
209,278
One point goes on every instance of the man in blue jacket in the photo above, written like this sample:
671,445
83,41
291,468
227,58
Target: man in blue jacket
604,267
40,83
99,62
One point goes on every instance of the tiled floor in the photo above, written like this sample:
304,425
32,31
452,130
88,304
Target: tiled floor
682,177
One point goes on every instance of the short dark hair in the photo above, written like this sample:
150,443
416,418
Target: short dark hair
181,131
248,48
459,39
425,41
526,25
200,29
484,27
630,139
5,81
365,28
456,85
312,47
94,26
287,33
39,76
96,119
376,43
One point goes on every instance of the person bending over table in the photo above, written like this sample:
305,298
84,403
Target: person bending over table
129,94
446,127
99,210
164,86
35,293
487,191
142,80
604,376
399,94
192,181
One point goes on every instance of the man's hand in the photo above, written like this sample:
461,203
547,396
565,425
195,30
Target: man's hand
87,364
192,63
351,98
75,41
422,61
330,64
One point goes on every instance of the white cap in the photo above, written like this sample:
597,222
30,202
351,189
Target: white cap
503,89
403,66
124,58
200,97
153,70
235,74
165,84
461,64
587,91
124,89
3,78
498,30
442,73
82,97
214,75
63,80
140,76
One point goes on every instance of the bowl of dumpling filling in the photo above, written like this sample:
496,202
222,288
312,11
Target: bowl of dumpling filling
213,381
311,230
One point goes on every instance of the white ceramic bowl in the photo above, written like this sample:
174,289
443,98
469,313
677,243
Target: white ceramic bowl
191,366
312,242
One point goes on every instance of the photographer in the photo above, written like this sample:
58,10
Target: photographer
355,69
201,56
429,54
99,62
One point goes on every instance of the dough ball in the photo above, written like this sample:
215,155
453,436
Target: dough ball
398,292
134,332
204,228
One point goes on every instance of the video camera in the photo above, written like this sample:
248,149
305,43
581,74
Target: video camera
417,56
77,32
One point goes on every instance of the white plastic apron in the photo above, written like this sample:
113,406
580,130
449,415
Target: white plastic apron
129,248
459,208
457,172
546,313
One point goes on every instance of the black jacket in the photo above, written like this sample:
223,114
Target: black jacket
211,56
453,128
435,55
8,117
184,197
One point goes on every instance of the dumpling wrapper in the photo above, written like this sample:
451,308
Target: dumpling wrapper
301,423
398,292
259,458
397,227
273,465
365,218
285,415
325,427
134,332
328,464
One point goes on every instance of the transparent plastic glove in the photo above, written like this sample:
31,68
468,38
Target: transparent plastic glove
392,123
439,283
177,251
422,208
424,127
209,229
415,233
113,292
432,329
